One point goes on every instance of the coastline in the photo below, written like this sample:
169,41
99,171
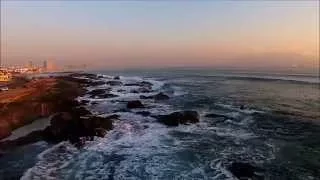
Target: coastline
34,99
52,98
167,118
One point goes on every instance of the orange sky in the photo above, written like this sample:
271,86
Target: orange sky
142,34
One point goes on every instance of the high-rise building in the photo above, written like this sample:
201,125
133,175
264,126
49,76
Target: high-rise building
30,65
45,65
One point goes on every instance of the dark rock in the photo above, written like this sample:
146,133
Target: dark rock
146,97
135,104
84,102
91,76
116,78
220,116
69,126
144,90
101,93
181,117
59,128
144,113
141,90
81,111
213,115
146,83
100,122
244,170
114,83
134,91
97,83
109,95
100,132
97,92
132,84
113,116
94,103
161,96
66,105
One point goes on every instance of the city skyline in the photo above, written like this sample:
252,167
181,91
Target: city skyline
130,34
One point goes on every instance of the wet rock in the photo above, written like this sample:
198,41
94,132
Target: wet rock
59,128
114,83
146,97
146,83
132,84
161,96
181,117
141,90
69,126
81,111
143,113
113,116
144,90
134,91
108,95
214,115
245,171
84,102
100,122
91,76
135,104
97,92
100,132
101,93
116,78
97,83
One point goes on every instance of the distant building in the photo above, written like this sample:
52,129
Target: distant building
30,65
5,77
45,65
51,66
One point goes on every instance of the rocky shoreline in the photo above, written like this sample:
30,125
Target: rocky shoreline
71,121
55,97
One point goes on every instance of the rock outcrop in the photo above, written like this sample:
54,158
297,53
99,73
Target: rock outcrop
181,117
134,104
70,126
143,113
114,83
161,96
245,171
158,97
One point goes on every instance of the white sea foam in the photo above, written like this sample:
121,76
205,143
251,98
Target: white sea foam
138,147
50,161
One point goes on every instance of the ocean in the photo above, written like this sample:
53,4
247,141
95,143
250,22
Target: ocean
269,120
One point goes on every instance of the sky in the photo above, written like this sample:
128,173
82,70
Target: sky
124,34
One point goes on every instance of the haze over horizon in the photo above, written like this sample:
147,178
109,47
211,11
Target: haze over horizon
130,34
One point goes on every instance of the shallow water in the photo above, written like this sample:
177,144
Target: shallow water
272,123
39,124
